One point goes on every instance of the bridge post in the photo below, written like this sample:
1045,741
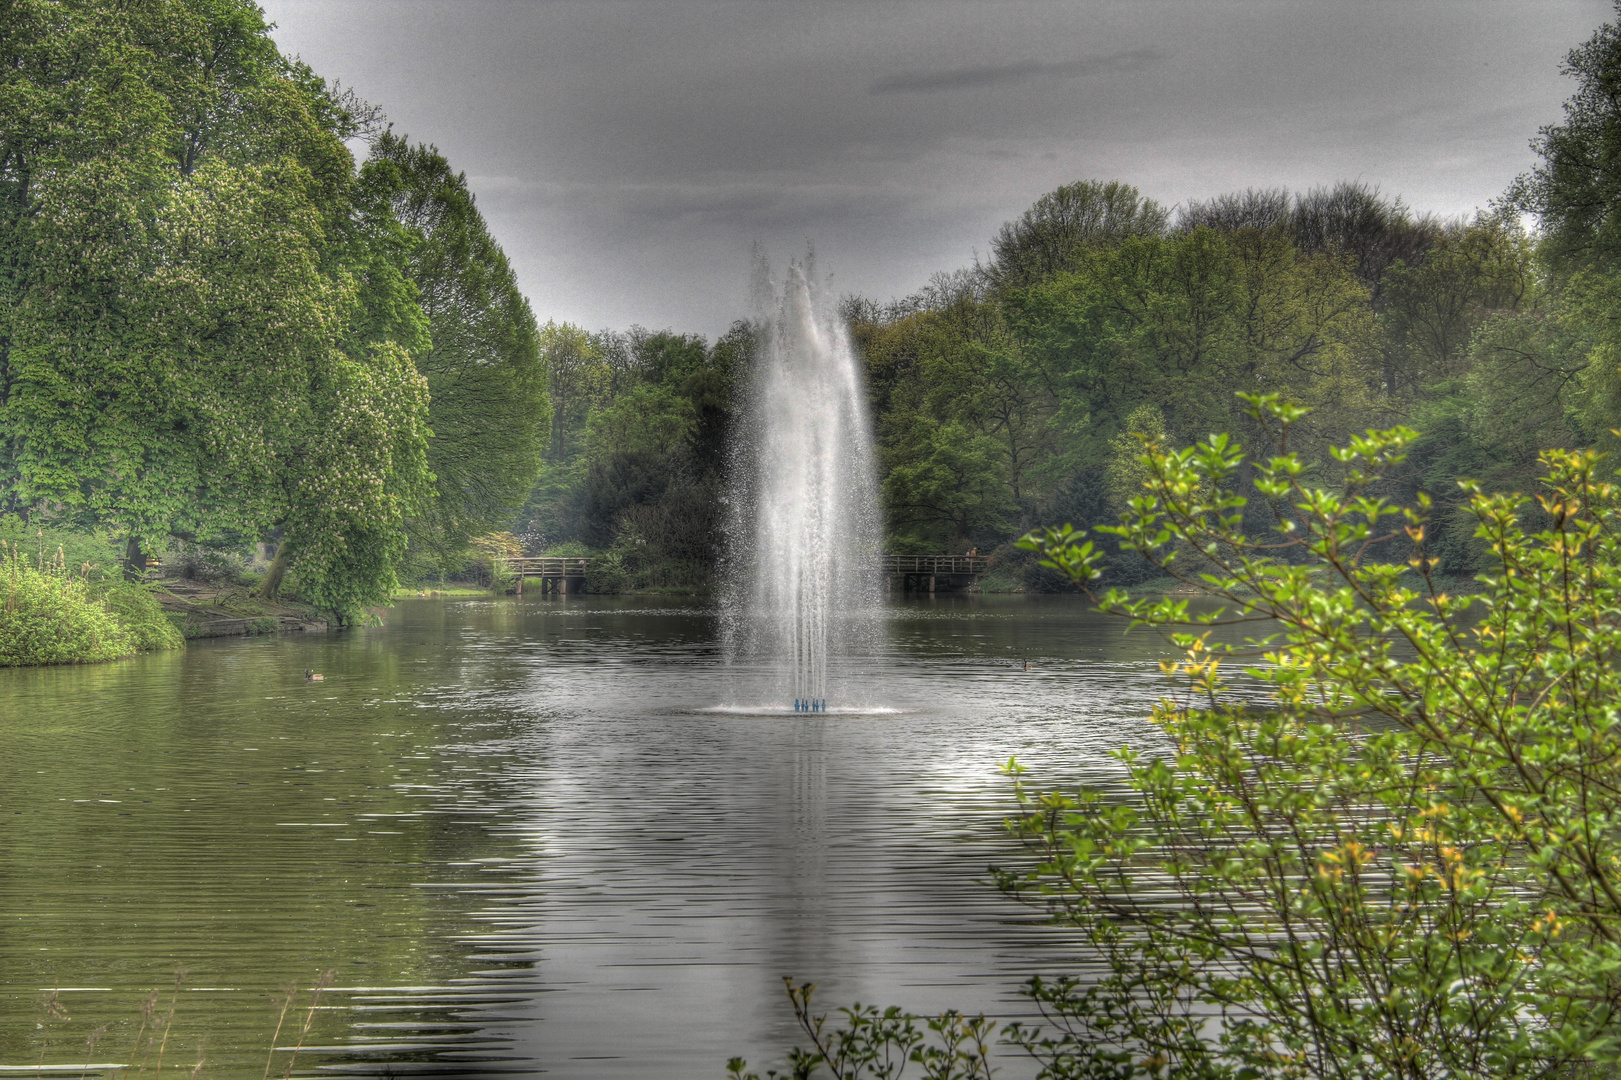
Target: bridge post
931,584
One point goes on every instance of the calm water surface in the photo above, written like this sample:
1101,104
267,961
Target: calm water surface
531,836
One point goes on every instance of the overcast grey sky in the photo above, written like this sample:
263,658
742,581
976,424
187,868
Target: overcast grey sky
626,154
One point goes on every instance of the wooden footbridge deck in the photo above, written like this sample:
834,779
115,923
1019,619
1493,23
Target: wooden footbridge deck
918,573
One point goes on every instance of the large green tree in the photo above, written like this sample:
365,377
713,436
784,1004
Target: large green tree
1054,235
486,379
1576,188
207,328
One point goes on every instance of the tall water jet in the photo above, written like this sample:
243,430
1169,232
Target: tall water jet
803,568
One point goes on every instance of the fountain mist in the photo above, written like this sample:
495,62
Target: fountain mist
803,577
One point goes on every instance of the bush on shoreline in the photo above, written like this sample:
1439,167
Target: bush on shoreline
143,618
50,615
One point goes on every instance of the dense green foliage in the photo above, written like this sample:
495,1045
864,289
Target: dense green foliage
636,464
1576,187
1002,393
486,384
1001,397
53,612
79,549
47,616
215,329
141,616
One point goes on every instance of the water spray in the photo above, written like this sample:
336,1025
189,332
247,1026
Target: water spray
803,584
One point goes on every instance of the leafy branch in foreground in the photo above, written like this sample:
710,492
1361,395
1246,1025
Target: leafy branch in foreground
1397,855
1391,850
880,1045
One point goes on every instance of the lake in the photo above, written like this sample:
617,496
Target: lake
531,836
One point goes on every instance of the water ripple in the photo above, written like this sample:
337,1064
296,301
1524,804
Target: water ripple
532,836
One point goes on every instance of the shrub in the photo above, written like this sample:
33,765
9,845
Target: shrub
47,616
138,611
489,564
40,542
608,574
503,578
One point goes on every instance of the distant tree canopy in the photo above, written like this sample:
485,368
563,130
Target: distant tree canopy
1052,235
1002,397
637,455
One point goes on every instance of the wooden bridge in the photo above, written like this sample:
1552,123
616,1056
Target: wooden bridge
918,573
557,575
927,573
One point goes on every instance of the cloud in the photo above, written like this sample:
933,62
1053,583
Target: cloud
967,78
626,155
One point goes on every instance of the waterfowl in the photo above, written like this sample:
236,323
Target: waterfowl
312,676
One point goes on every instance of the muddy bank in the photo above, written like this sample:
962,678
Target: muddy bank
204,611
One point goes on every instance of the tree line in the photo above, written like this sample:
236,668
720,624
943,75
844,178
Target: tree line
1014,394
239,308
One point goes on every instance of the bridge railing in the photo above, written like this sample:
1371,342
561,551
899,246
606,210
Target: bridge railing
577,566
934,564
548,566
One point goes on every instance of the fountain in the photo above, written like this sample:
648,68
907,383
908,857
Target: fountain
803,574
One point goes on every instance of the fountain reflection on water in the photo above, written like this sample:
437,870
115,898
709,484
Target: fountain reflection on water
803,578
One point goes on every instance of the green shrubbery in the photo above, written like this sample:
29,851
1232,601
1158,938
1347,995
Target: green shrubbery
52,614
47,616
607,574
140,614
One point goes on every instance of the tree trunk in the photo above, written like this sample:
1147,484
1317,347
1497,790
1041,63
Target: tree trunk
134,559
271,588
